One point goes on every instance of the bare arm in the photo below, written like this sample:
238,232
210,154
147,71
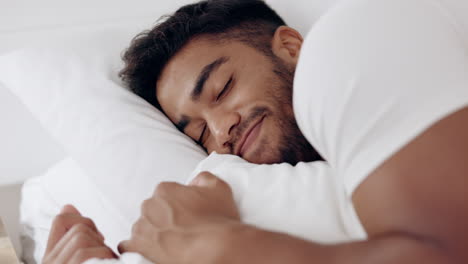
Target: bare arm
251,245
414,208
73,239
421,190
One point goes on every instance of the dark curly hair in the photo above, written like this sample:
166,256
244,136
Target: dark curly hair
252,22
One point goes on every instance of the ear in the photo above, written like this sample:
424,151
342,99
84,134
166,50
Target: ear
286,44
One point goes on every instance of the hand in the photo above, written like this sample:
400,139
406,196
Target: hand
74,239
184,224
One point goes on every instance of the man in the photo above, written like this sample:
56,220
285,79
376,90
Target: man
222,71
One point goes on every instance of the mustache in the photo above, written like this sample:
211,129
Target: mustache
241,128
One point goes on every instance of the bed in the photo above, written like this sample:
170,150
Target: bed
27,149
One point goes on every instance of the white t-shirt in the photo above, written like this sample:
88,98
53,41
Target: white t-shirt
372,76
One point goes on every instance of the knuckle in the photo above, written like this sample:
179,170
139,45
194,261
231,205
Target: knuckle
146,206
58,220
107,252
81,256
203,177
87,221
165,188
81,240
208,179
80,253
137,227
79,229
124,246
205,174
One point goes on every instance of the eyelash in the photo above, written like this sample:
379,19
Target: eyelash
225,89
202,134
220,95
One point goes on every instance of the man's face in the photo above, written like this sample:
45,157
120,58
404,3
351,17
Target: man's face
233,99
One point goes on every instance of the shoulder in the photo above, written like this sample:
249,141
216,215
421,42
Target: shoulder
374,77
374,74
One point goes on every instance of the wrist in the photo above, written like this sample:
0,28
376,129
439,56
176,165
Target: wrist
223,244
235,243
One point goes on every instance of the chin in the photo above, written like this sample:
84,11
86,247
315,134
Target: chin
262,159
264,152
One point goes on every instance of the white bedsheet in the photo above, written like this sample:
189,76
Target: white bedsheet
127,258
302,201
314,206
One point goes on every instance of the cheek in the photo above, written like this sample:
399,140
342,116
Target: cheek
255,84
272,132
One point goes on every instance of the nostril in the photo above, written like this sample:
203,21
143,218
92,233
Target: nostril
231,128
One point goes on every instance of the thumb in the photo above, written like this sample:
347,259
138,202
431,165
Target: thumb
221,190
69,209
125,246
207,179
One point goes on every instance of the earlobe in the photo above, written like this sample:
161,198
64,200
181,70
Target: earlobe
287,44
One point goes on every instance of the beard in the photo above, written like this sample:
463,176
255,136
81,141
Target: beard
293,146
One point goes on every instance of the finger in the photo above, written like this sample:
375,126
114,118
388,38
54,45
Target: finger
124,246
85,254
79,236
156,212
207,179
142,227
64,222
69,209
220,189
134,245
168,188
74,244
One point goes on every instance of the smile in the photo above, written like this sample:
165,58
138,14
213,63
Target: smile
249,137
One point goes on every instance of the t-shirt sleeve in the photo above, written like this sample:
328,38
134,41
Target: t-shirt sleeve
375,74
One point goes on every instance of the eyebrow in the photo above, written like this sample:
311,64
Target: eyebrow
204,76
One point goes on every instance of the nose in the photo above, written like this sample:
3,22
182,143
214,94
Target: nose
221,124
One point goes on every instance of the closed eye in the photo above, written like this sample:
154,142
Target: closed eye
220,96
225,89
200,139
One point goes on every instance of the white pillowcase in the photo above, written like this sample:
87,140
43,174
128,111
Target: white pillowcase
120,141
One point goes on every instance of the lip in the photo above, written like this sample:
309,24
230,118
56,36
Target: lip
241,148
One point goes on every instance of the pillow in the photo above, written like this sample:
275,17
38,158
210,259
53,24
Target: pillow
309,192
65,183
72,87
120,141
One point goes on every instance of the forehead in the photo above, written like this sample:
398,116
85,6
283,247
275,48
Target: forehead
180,73
178,77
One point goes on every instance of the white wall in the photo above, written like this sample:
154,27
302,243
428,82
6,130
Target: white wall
26,149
